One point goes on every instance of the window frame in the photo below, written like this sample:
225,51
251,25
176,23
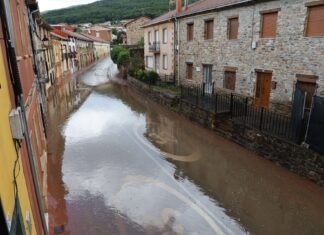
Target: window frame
262,14
310,5
229,27
189,64
206,22
147,64
165,35
190,37
165,65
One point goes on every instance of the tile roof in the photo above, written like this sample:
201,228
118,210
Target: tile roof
194,8
77,35
93,38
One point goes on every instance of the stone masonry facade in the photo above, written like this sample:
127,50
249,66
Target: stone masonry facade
287,55
135,31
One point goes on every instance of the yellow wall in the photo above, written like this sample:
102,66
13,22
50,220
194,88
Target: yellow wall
8,157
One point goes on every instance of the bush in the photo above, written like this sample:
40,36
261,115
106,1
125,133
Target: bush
123,57
115,53
152,77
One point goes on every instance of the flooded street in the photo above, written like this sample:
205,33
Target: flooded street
121,164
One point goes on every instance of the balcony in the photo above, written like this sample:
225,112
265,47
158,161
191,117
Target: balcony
154,47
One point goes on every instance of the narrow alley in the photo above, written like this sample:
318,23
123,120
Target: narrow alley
121,164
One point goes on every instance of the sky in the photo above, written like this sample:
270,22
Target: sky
46,5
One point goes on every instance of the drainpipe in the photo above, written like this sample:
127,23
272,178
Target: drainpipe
15,77
177,49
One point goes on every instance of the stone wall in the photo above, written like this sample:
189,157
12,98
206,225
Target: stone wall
287,55
135,31
297,159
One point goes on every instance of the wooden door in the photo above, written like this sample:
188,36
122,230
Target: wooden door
230,80
309,88
263,89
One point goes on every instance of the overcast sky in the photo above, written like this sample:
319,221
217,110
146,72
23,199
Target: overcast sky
46,5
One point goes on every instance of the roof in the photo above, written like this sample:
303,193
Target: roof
77,35
59,34
134,20
208,5
161,19
93,38
195,8
98,28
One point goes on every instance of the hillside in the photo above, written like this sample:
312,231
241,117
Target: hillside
108,10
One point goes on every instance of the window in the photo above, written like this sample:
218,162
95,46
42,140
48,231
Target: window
230,80
149,38
209,29
149,61
165,62
189,71
190,32
315,24
269,25
233,26
157,36
165,36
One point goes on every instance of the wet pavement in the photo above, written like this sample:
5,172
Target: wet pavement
121,164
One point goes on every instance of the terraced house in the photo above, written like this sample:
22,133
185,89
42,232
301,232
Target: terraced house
266,50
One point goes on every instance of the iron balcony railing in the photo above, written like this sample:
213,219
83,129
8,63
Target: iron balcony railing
154,47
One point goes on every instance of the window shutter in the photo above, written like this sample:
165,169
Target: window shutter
233,28
315,25
269,25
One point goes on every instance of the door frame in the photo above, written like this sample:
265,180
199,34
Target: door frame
209,83
257,71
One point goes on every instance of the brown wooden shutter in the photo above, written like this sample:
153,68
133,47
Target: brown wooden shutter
209,29
269,25
190,28
315,25
233,25
189,71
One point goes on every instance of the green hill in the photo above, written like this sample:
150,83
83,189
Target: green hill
108,10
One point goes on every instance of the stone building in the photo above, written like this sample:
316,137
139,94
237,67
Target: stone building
265,50
99,32
159,44
134,30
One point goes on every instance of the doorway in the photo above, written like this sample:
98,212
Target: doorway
263,89
208,78
157,64
307,85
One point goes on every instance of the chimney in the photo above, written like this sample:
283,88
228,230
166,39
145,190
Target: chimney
179,6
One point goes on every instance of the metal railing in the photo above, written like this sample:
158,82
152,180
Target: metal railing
167,79
242,111
154,47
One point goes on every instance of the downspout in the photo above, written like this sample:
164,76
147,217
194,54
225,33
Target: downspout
15,76
178,48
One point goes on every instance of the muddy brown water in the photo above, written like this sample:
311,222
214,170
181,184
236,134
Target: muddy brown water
121,164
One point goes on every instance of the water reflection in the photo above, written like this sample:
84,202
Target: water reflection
131,167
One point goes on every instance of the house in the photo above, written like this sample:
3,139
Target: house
159,47
266,50
134,30
59,40
23,197
99,32
101,47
